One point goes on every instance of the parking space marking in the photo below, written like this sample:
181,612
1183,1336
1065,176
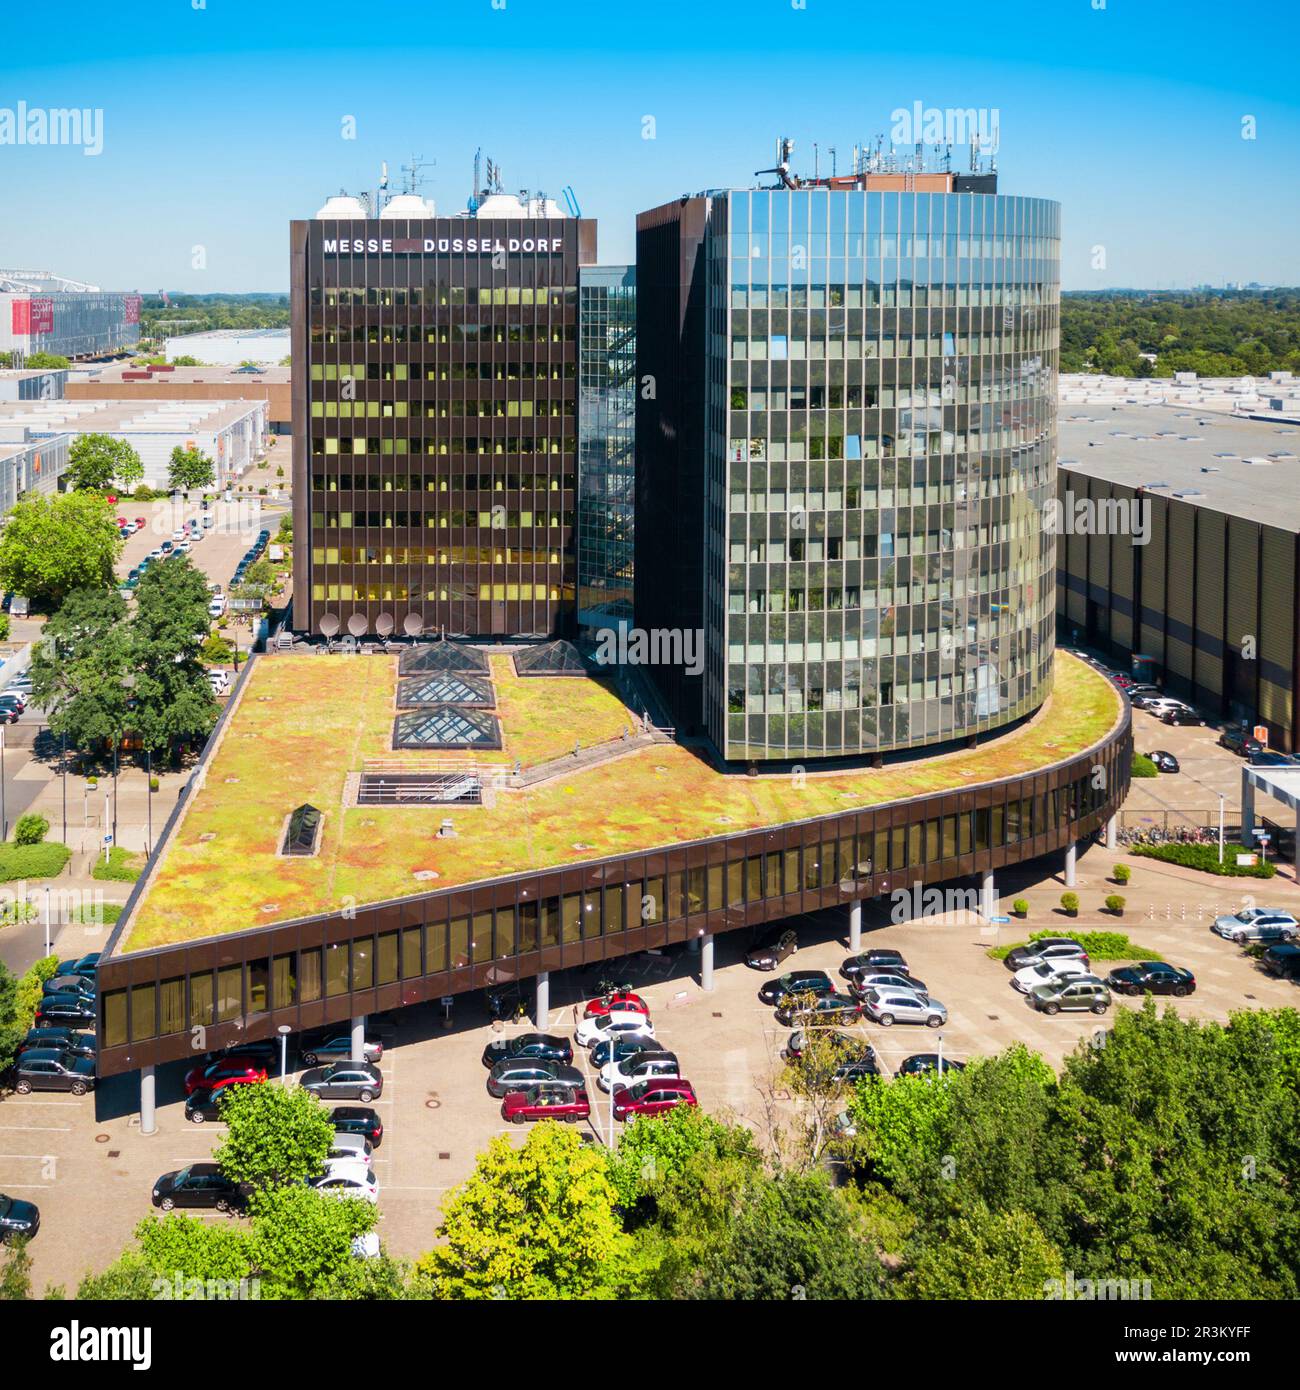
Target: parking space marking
38,1129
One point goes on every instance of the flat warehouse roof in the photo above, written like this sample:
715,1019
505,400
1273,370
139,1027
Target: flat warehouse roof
1136,446
307,726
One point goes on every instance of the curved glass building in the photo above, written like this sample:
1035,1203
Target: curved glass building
844,453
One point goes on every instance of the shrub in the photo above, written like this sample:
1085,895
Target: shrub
1122,873
4,627
97,913
118,869
1021,907
1115,904
31,829
1206,858
1100,945
1070,902
153,784
1143,766
216,649
32,861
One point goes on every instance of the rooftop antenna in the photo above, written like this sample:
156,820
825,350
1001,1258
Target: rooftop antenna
784,149
830,149
816,162
974,152
413,177
474,192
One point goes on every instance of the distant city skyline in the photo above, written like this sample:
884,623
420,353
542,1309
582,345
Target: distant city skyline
201,132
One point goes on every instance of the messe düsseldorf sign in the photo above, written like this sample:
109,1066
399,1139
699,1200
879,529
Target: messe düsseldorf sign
440,246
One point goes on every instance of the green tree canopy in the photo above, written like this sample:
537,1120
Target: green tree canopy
53,545
98,461
276,1135
189,468
172,696
301,1239
79,667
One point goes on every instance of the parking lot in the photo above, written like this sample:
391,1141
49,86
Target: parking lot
92,1179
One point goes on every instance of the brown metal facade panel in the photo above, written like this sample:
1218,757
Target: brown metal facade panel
1211,537
327,969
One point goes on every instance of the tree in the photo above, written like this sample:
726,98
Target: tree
189,468
52,545
15,1272
188,1247
276,1135
79,665
97,461
902,1124
985,1255
45,361
301,1240
795,1237
31,829
530,1223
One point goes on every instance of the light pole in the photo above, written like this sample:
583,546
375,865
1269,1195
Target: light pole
4,823
284,1030
63,773
148,775
108,834
48,952
1221,799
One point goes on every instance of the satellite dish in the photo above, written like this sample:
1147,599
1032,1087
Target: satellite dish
329,624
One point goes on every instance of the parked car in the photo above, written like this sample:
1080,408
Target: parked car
868,961
265,1052
1152,977
515,1075
356,1119
347,1177
1179,714
86,965
70,984
65,1010
344,1081
18,1219
927,1064
652,1098
1282,961
52,1069
545,1103
594,1030
355,1146
886,979
776,945
65,1039
540,1046
200,1185
816,1009
642,1066
890,1006
1164,761
616,1049
338,1047
204,1105
1048,948
622,1000
1257,924
1080,992
796,982
1046,971
226,1071
1241,743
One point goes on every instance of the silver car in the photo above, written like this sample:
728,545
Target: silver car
1257,924
891,1005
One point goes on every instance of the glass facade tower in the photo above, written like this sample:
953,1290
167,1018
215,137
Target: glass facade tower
873,413
606,436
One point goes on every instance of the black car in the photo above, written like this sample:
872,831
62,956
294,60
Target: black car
796,982
617,1049
18,1219
874,979
923,1063
1178,714
65,1010
203,1105
87,965
855,1049
52,1069
344,1081
1152,977
868,962
824,1008
516,1075
357,1119
1282,961
199,1185
1240,742
1165,761
776,945
79,1044
69,984
542,1047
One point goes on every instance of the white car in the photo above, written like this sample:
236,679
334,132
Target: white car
641,1066
344,1146
347,1177
216,606
618,1024
179,533
1045,972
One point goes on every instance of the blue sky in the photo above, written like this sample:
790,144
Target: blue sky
223,119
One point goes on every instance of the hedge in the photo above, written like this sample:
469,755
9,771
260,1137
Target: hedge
118,869
1100,945
104,914
1142,766
1206,858
32,861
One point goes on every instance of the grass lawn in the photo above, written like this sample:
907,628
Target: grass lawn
306,722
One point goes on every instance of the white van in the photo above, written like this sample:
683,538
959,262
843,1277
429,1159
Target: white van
220,681
216,605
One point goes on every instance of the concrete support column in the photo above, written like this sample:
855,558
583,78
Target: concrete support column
1071,862
1112,833
148,1101
1247,810
542,1009
855,926
706,963
988,894
359,1038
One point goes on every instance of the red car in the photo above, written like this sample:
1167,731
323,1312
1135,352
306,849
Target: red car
652,1097
620,999
545,1103
222,1073
141,522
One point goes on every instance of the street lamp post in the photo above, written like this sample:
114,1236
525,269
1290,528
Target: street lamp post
1221,800
4,823
48,951
63,771
148,774
284,1030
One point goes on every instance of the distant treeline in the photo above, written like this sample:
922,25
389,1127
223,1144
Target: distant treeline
1213,333
200,313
